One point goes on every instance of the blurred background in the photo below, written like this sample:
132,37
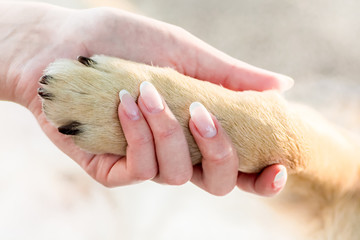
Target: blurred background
45,195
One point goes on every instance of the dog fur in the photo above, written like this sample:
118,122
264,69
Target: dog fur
81,99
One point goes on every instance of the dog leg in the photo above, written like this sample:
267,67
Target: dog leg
81,98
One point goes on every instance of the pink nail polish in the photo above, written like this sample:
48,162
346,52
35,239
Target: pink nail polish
280,179
151,97
130,107
285,83
202,120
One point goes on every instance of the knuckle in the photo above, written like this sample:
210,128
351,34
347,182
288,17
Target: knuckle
168,131
145,175
142,139
222,156
220,192
176,179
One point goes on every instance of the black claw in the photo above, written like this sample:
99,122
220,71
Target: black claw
45,79
73,128
46,95
86,61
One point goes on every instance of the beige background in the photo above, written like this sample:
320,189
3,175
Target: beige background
44,195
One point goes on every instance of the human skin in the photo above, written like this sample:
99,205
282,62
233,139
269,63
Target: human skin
32,35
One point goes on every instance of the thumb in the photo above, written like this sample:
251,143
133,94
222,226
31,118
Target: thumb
212,65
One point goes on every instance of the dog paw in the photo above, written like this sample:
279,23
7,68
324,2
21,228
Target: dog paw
81,98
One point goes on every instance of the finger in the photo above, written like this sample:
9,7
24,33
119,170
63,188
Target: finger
220,162
215,66
172,151
267,183
271,181
140,162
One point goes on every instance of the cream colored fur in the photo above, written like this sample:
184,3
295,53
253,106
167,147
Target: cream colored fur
322,160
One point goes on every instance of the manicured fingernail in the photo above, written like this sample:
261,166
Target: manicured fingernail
151,97
130,107
202,120
280,179
285,83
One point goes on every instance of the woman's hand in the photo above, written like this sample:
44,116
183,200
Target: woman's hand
218,173
33,35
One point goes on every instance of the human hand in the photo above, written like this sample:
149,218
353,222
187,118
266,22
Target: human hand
61,33
218,173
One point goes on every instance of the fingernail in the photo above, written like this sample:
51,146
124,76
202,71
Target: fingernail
130,107
285,83
280,179
151,97
202,120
